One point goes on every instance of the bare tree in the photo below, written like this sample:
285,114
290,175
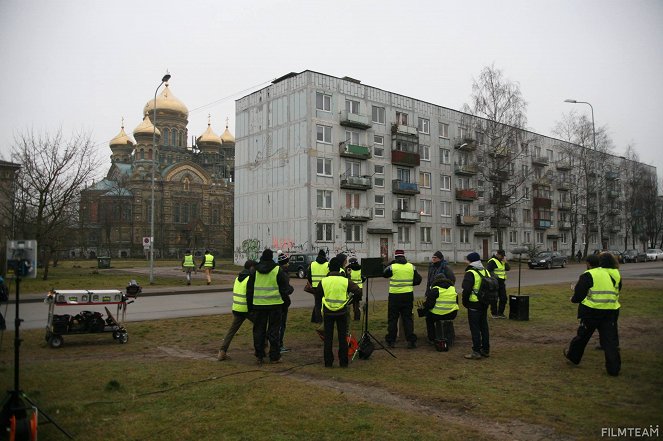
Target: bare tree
54,170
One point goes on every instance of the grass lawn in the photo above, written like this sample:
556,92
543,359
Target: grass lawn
166,384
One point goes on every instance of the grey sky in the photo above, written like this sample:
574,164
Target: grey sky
84,65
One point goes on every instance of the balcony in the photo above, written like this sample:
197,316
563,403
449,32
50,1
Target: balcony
466,221
540,160
466,169
542,224
564,206
357,182
500,151
563,185
498,175
563,165
402,129
497,199
614,211
496,222
400,187
612,176
357,214
612,194
355,120
354,151
564,226
405,217
465,144
408,159
539,202
483,232
466,194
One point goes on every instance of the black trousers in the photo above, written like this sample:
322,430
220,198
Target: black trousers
400,305
432,318
267,322
608,338
478,320
498,307
341,322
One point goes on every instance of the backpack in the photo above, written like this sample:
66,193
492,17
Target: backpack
488,289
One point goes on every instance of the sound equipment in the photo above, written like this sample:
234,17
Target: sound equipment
372,267
518,307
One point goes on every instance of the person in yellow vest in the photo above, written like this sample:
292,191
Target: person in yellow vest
608,261
335,291
597,295
209,264
266,292
240,308
403,278
441,304
498,266
188,265
354,268
477,313
317,270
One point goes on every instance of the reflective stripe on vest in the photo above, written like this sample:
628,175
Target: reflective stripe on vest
477,283
336,292
499,271
188,261
239,295
446,300
209,259
318,272
266,289
603,294
355,276
402,275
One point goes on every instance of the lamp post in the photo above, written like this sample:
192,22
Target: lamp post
598,198
154,165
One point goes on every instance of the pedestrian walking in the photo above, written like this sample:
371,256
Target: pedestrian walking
188,265
240,308
208,264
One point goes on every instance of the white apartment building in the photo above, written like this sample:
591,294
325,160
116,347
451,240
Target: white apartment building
329,163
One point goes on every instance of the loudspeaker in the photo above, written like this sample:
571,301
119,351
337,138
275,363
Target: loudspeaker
518,307
372,267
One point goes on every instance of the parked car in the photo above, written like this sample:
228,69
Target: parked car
618,255
634,256
654,254
299,262
547,260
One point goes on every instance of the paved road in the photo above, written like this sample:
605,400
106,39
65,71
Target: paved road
190,301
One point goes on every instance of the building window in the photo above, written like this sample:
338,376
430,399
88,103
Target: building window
379,205
166,137
445,156
426,207
401,118
527,215
539,237
444,130
549,154
424,179
324,166
445,182
403,234
378,143
425,235
423,125
352,168
352,106
527,237
323,134
445,235
378,179
353,233
378,139
445,209
497,236
323,101
424,151
324,199
513,236
464,235
378,115
186,184
324,232
351,137
216,219
352,200
402,204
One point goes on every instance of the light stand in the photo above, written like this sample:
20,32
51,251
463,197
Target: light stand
366,334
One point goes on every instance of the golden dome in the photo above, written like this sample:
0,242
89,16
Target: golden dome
209,136
121,139
146,128
166,101
227,136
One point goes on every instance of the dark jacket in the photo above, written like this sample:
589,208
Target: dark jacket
291,289
416,280
352,288
432,294
436,269
265,267
318,259
468,284
585,282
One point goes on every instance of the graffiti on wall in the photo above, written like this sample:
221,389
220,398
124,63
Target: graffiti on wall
250,249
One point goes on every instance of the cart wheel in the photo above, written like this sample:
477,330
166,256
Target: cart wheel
55,341
116,335
123,337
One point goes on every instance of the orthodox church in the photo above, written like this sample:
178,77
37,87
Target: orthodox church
193,189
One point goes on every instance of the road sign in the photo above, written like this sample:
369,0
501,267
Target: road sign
146,242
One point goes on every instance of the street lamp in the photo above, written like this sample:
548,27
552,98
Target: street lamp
154,165
598,198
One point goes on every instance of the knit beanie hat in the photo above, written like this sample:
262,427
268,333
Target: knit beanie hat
334,264
322,253
473,257
267,255
399,253
283,259
439,255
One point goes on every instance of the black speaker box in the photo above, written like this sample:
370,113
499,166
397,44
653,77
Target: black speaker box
372,267
518,307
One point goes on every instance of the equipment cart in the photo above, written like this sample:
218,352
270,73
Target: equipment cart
88,322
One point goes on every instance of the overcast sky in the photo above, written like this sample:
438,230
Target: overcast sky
83,65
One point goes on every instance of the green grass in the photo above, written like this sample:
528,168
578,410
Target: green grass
98,389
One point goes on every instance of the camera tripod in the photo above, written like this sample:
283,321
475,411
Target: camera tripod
366,334
16,417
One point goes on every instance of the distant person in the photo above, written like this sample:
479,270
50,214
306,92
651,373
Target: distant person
283,262
579,256
498,266
188,265
209,264
4,297
240,308
317,270
355,275
597,295
403,278
477,313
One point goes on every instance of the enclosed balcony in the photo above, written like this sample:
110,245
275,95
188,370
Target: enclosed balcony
499,151
497,199
465,144
408,159
357,182
612,176
400,187
564,206
405,217
466,221
466,194
402,129
498,175
564,226
563,164
354,151
541,202
356,214
542,224
612,194
563,185
466,169
540,160
355,120
499,222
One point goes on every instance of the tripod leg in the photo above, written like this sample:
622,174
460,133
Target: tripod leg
60,428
